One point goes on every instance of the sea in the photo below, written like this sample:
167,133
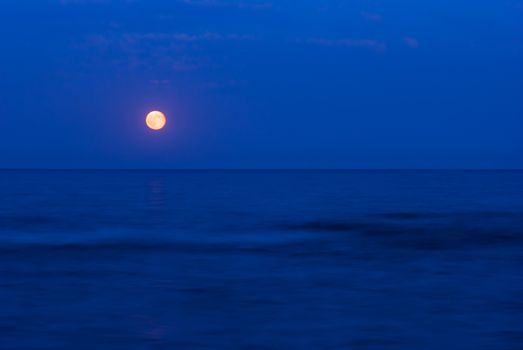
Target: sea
261,259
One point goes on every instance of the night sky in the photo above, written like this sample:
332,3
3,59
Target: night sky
262,84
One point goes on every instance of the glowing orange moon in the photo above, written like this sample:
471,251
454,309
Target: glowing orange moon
156,120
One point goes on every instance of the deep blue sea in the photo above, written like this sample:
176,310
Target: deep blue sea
261,260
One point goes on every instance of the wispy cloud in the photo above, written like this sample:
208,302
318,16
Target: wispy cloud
69,2
188,64
160,81
372,16
187,37
155,41
374,45
200,3
235,4
218,85
174,52
411,42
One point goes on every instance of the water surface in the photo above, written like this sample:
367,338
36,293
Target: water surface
261,260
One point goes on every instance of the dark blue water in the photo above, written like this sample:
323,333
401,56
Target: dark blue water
261,260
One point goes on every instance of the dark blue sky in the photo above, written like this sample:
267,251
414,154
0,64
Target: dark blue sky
262,84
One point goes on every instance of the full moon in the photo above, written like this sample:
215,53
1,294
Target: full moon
155,120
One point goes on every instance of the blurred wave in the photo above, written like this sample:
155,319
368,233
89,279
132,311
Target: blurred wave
261,259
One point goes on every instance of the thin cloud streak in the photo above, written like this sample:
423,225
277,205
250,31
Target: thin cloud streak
411,42
374,45
186,37
239,5
371,16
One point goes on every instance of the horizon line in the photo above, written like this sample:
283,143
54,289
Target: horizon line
261,169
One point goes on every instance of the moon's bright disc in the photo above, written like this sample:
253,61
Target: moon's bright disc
155,120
